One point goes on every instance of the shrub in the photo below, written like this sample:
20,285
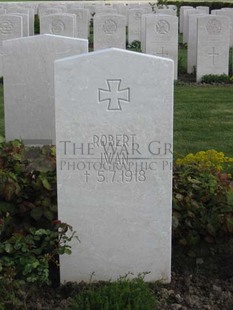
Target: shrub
122,294
135,46
202,198
216,79
31,237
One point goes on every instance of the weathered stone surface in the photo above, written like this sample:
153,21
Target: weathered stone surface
213,33
114,156
29,85
109,31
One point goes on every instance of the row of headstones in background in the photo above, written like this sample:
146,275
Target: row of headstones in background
158,33
183,11
77,22
209,38
186,11
77,26
65,25
97,8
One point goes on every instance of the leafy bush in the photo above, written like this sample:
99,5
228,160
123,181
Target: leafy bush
135,46
217,79
202,198
27,186
122,294
31,237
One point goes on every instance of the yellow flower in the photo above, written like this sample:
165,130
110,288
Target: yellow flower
206,159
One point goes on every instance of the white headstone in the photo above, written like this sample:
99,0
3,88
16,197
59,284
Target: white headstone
120,204
58,24
181,19
82,22
143,31
92,7
228,13
25,19
121,9
11,26
146,7
29,85
28,11
105,10
214,12
166,12
109,31
192,43
185,23
134,24
74,6
213,34
49,11
203,9
162,37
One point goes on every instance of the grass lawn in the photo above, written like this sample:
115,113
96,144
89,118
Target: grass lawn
203,118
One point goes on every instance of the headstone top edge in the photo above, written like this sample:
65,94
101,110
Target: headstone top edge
42,36
114,50
209,16
108,14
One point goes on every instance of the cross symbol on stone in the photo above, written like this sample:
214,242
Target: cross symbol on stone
162,52
213,54
114,95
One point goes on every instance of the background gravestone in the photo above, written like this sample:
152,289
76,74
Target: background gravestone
213,35
109,31
228,13
82,22
143,31
58,24
134,24
114,155
185,22
11,26
28,85
29,12
181,16
162,37
192,43
25,19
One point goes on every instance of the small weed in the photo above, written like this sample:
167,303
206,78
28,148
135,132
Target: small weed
122,294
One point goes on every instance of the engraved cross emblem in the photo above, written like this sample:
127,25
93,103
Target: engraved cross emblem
163,53
213,55
114,95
